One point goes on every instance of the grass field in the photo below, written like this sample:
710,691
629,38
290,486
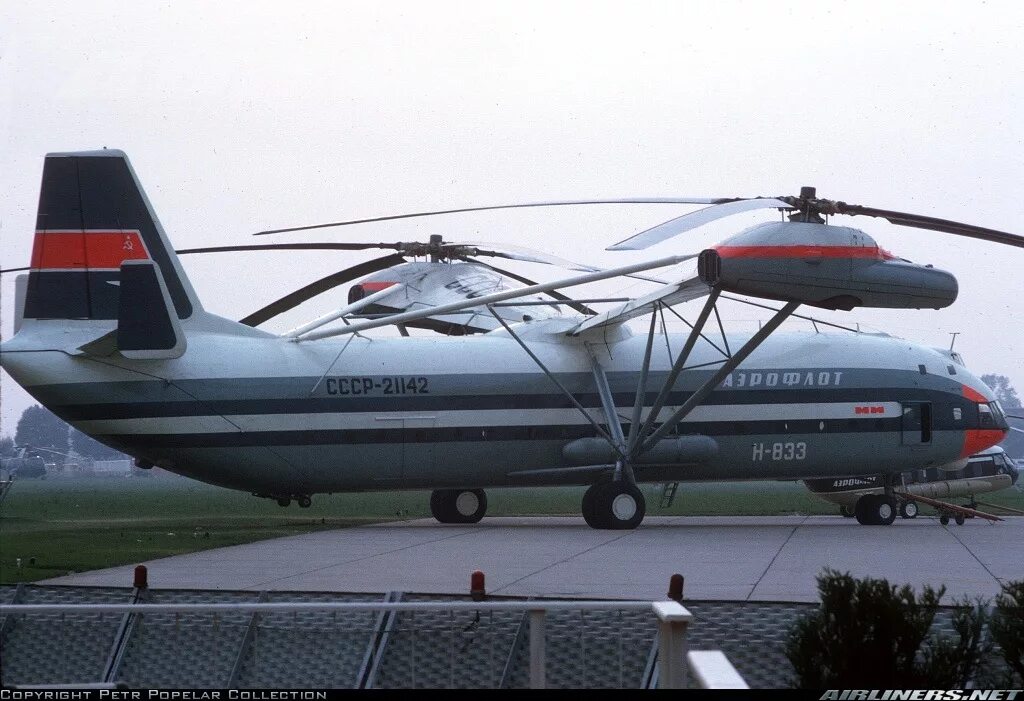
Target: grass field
59,526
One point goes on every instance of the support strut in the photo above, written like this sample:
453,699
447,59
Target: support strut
623,470
533,356
709,386
677,367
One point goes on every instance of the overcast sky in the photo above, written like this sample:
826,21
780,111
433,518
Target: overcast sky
241,117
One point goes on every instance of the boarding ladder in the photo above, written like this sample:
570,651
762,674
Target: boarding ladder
668,494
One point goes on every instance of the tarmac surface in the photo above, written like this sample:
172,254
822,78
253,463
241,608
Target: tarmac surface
724,558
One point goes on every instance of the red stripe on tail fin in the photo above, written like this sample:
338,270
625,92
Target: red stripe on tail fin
91,249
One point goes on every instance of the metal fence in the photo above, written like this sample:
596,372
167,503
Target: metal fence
164,638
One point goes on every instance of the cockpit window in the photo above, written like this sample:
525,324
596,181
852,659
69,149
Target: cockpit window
997,411
985,415
958,359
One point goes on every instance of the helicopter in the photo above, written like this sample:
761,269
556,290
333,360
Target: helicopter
112,337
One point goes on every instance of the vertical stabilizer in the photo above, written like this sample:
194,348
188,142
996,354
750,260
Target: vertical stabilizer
93,217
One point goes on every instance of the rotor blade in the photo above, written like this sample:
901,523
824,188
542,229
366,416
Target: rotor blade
322,285
14,270
502,250
290,247
553,203
581,308
676,226
919,221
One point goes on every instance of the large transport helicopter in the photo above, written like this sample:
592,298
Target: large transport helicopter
112,337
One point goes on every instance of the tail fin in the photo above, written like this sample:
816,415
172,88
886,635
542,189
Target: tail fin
93,217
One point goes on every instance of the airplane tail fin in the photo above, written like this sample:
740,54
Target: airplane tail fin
100,254
94,216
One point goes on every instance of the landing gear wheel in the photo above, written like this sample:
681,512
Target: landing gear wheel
305,502
875,510
458,505
587,507
908,509
284,501
846,511
944,519
614,506
959,518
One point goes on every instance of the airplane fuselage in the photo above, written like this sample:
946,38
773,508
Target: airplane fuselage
264,414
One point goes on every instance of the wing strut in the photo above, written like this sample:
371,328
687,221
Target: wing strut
677,368
604,391
566,392
709,386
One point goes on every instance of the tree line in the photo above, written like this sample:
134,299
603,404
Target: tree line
41,429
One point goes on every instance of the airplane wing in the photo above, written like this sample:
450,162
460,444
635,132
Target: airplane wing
674,293
483,301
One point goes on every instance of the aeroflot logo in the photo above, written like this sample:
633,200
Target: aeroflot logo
783,378
851,482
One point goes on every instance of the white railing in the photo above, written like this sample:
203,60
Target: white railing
672,620
712,670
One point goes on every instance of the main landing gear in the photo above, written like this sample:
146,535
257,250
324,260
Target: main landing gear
875,510
303,500
458,505
614,505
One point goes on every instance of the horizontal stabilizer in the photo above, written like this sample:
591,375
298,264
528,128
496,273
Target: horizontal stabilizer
147,326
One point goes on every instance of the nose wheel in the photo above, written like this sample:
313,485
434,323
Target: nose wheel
613,506
908,509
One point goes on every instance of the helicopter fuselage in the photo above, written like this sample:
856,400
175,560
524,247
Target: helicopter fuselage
268,415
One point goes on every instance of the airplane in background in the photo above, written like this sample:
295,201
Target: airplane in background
990,470
112,337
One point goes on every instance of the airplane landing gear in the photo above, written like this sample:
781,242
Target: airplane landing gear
304,501
613,506
908,509
846,511
875,510
284,501
458,505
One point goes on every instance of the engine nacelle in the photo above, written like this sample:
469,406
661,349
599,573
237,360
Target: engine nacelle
684,450
833,267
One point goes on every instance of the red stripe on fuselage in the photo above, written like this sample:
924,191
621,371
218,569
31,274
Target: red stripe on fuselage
86,250
375,286
803,251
